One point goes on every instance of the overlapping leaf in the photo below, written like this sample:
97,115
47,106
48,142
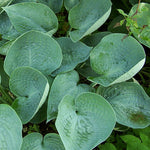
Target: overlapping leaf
34,49
64,84
10,129
88,16
142,18
36,141
4,3
85,121
130,103
31,88
70,3
73,54
116,58
32,16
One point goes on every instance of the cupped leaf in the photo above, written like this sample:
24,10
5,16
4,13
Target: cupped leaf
88,16
130,103
64,84
51,141
142,30
84,122
31,88
73,54
70,3
116,58
10,129
34,49
32,16
41,115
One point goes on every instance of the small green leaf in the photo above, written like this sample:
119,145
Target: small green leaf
107,146
85,17
10,129
85,121
142,30
34,49
130,103
32,16
116,59
31,88
122,12
133,143
51,141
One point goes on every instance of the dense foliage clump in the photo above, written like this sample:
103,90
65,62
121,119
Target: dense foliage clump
74,74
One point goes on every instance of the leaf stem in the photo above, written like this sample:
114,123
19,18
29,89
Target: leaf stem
5,97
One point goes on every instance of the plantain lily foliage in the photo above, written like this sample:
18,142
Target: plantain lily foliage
48,77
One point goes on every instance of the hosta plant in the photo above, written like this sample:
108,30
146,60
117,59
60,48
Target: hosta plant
58,67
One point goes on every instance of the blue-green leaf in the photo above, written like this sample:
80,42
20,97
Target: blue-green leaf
32,16
64,84
51,141
116,58
73,54
87,16
34,49
130,103
10,129
31,88
85,121
70,3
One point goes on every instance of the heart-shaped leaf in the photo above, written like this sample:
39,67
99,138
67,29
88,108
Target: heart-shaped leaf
36,141
130,103
34,49
62,85
85,17
73,54
10,129
31,88
32,16
116,58
70,3
84,122
142,19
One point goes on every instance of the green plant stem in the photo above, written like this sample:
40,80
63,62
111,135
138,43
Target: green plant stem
6,98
